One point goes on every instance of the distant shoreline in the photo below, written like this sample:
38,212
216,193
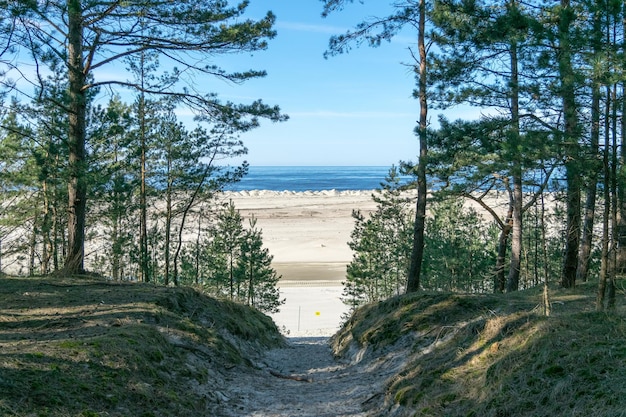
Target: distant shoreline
313,178
306,193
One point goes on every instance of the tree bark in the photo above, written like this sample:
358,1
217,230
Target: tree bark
604,258
594,167
503,241
46,227
621,191
417,253
584,256
168,222
77,185
143,194
516,236
512,282
572,164
613,241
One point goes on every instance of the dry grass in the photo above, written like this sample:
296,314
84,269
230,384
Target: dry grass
497,356
88,347
91,348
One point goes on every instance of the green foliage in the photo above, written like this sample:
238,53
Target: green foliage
460,251
33,149
231,262
257,280
183,34
114,182
382,247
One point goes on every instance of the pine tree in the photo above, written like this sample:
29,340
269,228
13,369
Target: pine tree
258,281
460,249
114,190
382,246
91,35
229,234
373,31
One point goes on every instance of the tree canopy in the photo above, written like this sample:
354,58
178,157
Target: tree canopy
83,39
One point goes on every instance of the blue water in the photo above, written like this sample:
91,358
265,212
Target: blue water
309,178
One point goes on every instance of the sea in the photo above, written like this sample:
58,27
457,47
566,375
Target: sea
312,178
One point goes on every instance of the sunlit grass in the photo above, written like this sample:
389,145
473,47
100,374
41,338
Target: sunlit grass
496,355
75,347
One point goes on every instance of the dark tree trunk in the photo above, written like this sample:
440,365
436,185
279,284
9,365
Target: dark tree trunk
503,242
591,190
572,164
417,253
143,194
77,185
517,195
604,258
594,167
512,282
621,190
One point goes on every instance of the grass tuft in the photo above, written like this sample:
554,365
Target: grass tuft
88,347
496,355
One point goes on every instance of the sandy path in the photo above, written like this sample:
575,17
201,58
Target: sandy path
336,388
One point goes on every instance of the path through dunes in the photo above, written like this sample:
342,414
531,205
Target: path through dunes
305,380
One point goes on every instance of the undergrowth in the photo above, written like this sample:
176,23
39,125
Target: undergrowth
496,355
84,347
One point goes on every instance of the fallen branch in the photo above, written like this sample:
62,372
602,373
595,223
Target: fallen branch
292,377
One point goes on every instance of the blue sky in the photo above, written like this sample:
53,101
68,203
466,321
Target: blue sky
351,109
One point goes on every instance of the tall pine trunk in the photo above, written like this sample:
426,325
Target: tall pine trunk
594,169
604,257
32,246
516,236
143,193
570,139
613,229
591,191
168,222
503,242
77,185
621,190
46,227
417,254
512,282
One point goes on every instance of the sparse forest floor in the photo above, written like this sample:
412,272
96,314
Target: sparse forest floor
87,347
305,379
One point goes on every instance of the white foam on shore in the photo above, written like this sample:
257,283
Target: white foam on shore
308,193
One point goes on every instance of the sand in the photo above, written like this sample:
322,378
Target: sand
307,233
304,228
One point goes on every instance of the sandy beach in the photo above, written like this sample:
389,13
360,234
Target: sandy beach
304,228
307,233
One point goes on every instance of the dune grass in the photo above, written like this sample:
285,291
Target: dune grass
497,355
88,347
